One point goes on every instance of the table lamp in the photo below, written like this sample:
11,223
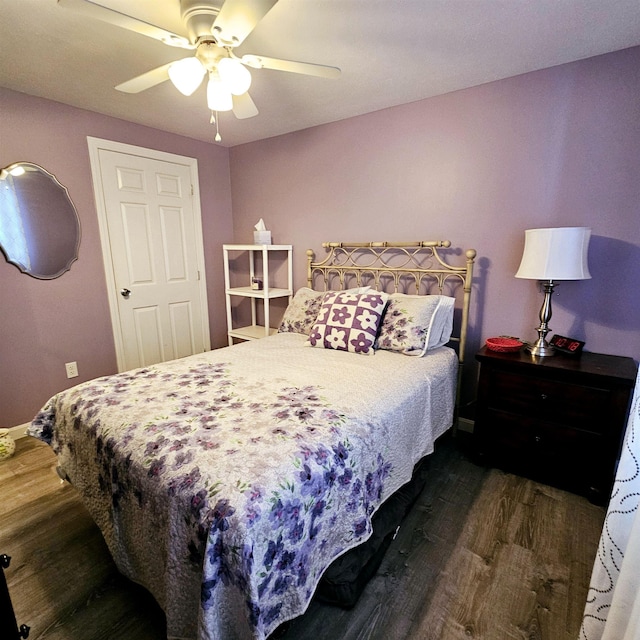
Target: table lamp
550,255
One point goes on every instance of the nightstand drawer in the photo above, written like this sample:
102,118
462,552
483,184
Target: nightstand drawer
560,455
575,405
529,437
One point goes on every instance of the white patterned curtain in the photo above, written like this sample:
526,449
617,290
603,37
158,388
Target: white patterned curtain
612,611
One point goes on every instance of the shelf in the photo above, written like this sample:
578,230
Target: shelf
256,247
252,332
257,260
248,292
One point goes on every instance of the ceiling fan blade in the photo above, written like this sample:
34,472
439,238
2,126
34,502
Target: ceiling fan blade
306,68
146,80
244,107
237,19
98,12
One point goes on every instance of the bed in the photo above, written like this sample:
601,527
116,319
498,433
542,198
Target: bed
228,482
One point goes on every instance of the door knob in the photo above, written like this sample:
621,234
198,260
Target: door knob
125,293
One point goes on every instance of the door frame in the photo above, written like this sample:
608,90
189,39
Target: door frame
95,146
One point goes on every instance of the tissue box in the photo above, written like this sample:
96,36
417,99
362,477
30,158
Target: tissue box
262,237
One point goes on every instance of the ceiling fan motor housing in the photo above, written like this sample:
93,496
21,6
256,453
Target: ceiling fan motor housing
198,17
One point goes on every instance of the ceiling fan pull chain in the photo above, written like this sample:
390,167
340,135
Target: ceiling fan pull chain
214,120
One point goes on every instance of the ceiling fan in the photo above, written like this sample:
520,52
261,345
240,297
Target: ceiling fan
214,28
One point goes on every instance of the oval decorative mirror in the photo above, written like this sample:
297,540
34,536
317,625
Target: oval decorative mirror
39,225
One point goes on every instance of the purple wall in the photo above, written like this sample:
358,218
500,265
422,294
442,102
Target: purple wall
558,147
45,323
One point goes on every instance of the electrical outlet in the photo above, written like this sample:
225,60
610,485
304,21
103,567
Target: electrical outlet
72,369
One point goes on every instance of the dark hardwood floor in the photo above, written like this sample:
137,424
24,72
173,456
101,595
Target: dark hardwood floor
483,554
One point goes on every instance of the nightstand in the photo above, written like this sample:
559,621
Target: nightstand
558,419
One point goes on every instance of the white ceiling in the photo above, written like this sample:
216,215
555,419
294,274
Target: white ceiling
391,52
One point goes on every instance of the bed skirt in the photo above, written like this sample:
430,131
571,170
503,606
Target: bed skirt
345,579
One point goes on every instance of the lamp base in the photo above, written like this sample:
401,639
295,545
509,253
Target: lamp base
541,348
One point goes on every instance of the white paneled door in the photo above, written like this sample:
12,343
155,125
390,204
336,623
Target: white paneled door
151,219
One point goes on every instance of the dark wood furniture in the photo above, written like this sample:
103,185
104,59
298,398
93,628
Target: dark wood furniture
559,419
8,625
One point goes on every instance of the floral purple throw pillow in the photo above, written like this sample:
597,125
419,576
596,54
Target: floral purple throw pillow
414,324
302,311
349,321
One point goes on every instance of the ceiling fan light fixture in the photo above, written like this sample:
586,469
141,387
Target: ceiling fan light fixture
218,94
186,75
234,75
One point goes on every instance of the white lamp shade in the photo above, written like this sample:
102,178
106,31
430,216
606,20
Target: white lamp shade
234,75
186,75
555,254
218,95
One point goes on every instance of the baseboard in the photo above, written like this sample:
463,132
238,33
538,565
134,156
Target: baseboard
19,432
464,424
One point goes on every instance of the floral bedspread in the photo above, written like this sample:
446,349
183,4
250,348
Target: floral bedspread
227,482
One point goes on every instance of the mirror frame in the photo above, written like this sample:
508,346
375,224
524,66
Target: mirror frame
71,212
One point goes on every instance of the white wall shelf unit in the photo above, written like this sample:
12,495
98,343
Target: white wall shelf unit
257,255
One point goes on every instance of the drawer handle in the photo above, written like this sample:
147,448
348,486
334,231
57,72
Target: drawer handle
538,439
543,396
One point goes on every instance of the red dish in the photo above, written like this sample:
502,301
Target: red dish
504,344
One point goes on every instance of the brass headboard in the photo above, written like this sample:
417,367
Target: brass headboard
405,267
